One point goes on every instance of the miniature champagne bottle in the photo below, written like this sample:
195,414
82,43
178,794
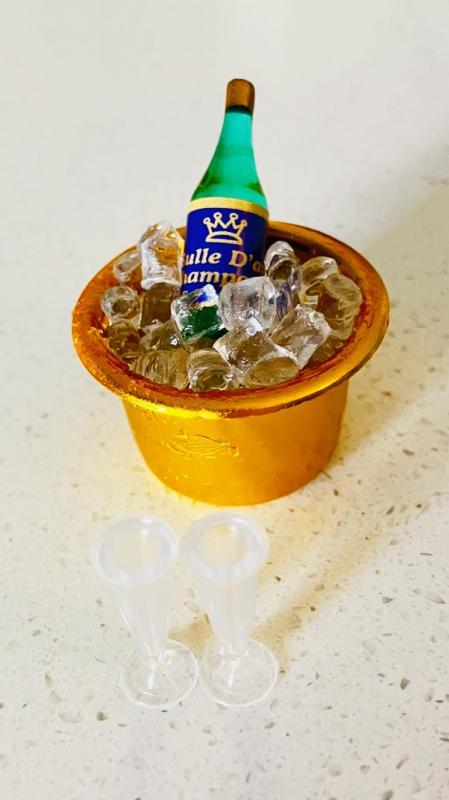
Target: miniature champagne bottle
227,216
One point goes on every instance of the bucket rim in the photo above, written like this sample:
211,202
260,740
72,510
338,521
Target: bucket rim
369,330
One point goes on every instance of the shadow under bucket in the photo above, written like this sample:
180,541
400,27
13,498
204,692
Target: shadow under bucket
244,446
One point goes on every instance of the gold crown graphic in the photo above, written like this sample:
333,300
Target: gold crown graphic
225,232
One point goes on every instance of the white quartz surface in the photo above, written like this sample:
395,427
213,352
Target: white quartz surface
110,111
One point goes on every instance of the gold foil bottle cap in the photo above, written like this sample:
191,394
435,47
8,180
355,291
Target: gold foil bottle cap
240,92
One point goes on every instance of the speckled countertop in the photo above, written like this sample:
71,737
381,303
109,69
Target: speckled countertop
351,138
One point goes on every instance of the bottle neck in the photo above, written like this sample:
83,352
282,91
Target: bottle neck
237,130
232,171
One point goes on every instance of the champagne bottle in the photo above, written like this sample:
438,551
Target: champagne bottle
227,215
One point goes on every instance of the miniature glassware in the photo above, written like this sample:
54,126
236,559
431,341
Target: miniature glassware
135,557
225,551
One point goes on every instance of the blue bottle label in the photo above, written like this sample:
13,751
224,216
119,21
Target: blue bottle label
224,242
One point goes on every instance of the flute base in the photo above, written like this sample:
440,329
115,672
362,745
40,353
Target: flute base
238,680
161,682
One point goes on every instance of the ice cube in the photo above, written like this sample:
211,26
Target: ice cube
208,371
197,315
258,360
167,367
286,276
314,273
339,300
124,341
161,250
163,336
301,332
126,265
253,298
156,302
277,251
286,271
317,269
121,304
285,300
199,344
328,349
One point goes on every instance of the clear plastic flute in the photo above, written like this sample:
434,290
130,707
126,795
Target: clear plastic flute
135,557
225,551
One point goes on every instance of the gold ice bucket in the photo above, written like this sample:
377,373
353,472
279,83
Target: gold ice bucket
244,446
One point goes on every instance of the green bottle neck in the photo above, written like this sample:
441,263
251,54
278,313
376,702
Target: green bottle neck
232,171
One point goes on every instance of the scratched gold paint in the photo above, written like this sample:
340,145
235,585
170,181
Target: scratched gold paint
244,446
